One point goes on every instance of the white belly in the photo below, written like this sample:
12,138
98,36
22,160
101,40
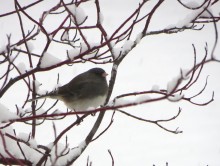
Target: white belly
83,105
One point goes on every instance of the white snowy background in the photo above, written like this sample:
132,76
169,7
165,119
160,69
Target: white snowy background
154,62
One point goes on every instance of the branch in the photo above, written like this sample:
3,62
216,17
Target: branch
23,8
156,122
111,122
11,159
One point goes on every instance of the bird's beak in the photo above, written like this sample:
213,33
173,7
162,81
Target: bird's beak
104,74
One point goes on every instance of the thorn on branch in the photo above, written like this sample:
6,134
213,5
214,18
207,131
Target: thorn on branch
112,158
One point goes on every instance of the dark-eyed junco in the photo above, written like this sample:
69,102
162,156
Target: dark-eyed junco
88,89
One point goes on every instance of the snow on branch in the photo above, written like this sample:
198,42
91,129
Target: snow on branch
67,27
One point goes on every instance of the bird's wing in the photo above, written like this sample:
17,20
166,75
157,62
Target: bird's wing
79,90
85,85
67,89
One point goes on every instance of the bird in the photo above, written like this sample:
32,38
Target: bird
86,90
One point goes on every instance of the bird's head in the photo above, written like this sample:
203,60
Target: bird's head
98,71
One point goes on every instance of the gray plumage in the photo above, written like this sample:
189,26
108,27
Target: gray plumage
88,89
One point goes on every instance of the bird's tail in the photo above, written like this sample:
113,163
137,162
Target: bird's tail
37,98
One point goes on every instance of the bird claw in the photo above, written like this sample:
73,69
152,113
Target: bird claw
93,114
78,118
